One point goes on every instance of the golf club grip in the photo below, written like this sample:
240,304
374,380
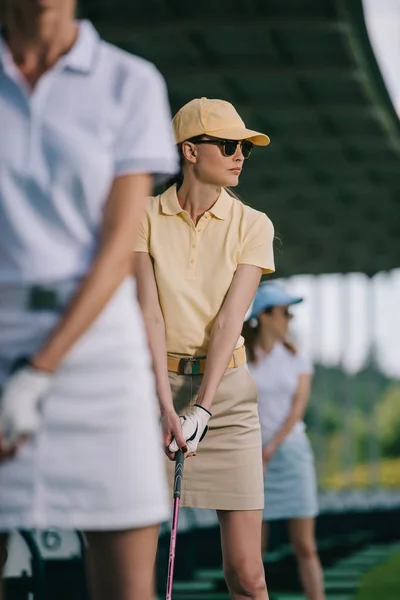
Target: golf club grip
179,460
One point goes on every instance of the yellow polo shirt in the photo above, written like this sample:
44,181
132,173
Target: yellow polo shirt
194,265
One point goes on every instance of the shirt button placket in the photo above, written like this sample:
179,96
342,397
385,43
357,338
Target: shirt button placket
34,124
37,104
193,252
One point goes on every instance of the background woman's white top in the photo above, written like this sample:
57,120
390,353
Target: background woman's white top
276,375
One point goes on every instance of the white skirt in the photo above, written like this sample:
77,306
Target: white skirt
97,461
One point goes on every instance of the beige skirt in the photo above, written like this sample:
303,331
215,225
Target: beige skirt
226,473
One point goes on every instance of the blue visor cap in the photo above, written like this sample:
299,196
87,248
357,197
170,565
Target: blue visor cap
271,294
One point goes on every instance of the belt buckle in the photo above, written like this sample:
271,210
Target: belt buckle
42,298
191,366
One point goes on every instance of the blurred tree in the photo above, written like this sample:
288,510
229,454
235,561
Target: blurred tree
389,420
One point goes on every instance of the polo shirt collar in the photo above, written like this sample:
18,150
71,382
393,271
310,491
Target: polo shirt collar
222,206
79,58
82,55
4,52
170,204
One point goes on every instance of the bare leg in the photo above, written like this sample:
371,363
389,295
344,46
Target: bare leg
302,537
121,564
241,551
264,536
3,546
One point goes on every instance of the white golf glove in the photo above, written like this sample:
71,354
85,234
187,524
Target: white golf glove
194,428
20,402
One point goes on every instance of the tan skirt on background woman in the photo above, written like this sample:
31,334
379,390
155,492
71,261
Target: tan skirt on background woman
226,473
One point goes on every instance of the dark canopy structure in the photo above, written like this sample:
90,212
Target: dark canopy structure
305,73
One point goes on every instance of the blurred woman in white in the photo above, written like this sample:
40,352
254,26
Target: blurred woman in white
283,378
83,128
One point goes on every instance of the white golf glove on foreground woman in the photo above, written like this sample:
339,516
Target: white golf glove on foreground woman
194,428
20,402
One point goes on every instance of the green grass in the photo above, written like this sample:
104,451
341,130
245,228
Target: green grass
381,582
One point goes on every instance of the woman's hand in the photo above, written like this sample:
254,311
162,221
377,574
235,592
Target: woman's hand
172,429
20,402
194,428
9,450
268,452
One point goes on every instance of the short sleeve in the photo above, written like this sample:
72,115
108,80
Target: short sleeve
304,365
146,142
258,245
142,243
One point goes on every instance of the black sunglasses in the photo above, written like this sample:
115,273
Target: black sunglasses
228,147
286,312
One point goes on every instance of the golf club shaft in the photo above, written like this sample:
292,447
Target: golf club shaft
179,460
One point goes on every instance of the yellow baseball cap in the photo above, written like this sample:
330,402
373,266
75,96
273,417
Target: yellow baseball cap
217,118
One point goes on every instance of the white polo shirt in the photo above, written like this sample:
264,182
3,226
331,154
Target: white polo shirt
277,377
99,113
